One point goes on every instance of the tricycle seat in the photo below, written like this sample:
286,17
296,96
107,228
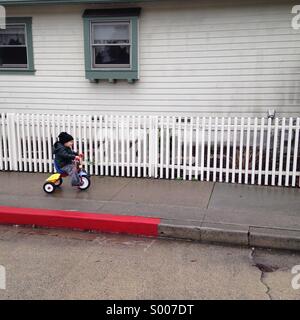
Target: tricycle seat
58,169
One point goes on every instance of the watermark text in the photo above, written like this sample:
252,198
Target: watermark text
296,278
296,18
2,278
2,18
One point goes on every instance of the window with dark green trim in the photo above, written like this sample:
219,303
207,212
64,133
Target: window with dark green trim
16,50
111,44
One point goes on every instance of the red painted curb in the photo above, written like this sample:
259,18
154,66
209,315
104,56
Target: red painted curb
80,220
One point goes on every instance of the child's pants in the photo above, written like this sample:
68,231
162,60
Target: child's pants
71,170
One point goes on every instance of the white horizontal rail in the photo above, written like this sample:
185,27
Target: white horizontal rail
238,150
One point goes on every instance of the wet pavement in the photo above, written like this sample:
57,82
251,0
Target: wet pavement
202,202
61,264
56,264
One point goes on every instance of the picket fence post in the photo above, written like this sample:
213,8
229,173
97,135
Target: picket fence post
152,136
12,141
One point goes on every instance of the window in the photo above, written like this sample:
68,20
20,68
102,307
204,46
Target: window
16,46
111,44
13,53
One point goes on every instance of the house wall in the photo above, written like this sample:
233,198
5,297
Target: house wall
237,58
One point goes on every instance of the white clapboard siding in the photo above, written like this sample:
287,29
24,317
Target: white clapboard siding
221,58
236,150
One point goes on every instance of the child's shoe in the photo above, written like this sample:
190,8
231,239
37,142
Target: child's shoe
80,184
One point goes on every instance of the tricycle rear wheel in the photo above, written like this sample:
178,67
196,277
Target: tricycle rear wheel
59,182
49,187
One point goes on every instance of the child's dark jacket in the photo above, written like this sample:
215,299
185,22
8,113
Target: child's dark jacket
63,155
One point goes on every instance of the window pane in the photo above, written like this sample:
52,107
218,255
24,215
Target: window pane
111,33
12,35
10,56
112,55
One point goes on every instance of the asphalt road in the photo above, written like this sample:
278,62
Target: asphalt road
51,264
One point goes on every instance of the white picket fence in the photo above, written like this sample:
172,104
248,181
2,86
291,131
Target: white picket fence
237,150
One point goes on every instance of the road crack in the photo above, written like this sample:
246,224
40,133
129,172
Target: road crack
262,280
263,268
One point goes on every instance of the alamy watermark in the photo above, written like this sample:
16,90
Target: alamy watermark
296,18
296,279
2,17
2,278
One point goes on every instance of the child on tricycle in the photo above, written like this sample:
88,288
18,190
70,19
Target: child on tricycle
67,163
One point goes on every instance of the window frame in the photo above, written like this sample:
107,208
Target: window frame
109,72
29,69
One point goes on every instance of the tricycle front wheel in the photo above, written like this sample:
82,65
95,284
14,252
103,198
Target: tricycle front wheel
86,182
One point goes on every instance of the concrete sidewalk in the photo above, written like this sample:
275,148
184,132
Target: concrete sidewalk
203,211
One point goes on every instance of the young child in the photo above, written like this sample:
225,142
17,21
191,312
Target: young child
64,156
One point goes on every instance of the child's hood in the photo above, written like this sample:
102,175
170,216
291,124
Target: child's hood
58,146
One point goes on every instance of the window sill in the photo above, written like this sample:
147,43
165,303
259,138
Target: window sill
111,76
17,71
